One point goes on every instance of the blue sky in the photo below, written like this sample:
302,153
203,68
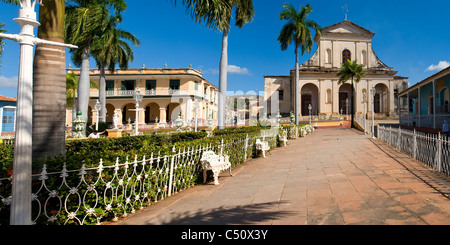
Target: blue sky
410,36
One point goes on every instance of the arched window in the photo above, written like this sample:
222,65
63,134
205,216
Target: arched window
346,55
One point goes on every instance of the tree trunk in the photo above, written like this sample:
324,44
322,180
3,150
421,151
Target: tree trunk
223,70
49,84
84,86
102,94
296,88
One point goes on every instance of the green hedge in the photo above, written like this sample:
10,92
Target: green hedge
90,151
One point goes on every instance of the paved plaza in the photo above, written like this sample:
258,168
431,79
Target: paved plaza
331,177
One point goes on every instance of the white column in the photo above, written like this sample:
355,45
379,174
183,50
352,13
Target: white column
409,112
419,111
434,103
21,187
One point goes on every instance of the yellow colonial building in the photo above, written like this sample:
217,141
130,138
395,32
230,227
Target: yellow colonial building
167,93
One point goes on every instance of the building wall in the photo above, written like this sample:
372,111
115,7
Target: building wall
7,116
165,104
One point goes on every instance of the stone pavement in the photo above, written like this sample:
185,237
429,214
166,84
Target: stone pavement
331,177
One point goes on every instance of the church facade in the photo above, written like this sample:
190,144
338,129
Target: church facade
318,80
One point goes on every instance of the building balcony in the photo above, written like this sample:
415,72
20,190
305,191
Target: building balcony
149,93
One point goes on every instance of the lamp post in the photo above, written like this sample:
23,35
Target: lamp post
21,187
97,108
195,113
346,108
309,108
372,90
364,114
137,98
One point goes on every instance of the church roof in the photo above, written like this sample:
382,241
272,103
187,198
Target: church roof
346,27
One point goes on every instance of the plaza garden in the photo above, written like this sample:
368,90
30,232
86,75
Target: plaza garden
102,180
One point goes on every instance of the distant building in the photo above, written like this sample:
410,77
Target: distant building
318,80
7,115
167,92
426,104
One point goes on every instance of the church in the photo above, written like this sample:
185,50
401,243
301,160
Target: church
320,93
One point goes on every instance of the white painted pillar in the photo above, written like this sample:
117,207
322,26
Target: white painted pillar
419,111
21,180
434,103
409,112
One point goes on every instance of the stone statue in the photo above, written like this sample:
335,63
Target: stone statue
115,120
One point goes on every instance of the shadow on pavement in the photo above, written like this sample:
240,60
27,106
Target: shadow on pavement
261,213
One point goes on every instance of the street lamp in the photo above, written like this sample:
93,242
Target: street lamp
195,111
364,114
137,98
97,108
21,181
309,108
372,90
346,108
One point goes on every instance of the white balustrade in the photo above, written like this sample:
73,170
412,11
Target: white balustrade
431,149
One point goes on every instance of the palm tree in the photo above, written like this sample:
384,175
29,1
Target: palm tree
351,70
49,71
217,15
110,49
72,91
84,22
297,30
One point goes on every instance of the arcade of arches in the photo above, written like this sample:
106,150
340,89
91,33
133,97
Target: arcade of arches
163,111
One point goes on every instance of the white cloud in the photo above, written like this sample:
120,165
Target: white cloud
232,69
238,70
442,65
6,82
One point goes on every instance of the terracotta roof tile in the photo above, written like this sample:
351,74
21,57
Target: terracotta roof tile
4,98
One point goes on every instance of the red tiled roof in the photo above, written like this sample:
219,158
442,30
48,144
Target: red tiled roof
4,98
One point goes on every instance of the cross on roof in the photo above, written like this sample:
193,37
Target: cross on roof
345,8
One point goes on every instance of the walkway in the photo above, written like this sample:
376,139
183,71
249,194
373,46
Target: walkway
332,177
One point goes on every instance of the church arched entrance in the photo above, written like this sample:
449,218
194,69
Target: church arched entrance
381,99
309,96
345,99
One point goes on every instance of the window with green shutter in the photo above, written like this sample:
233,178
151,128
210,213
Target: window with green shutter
109,85
174,84
128,85
150,84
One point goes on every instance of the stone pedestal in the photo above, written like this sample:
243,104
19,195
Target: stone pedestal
114,133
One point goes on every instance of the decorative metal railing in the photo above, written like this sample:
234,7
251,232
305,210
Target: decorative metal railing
107,192
365,124
431,149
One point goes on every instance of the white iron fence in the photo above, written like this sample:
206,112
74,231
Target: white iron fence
365,124
431,149
91,195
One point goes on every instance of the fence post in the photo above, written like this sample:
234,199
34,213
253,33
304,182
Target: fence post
399,138
246,146
438,159
171,171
